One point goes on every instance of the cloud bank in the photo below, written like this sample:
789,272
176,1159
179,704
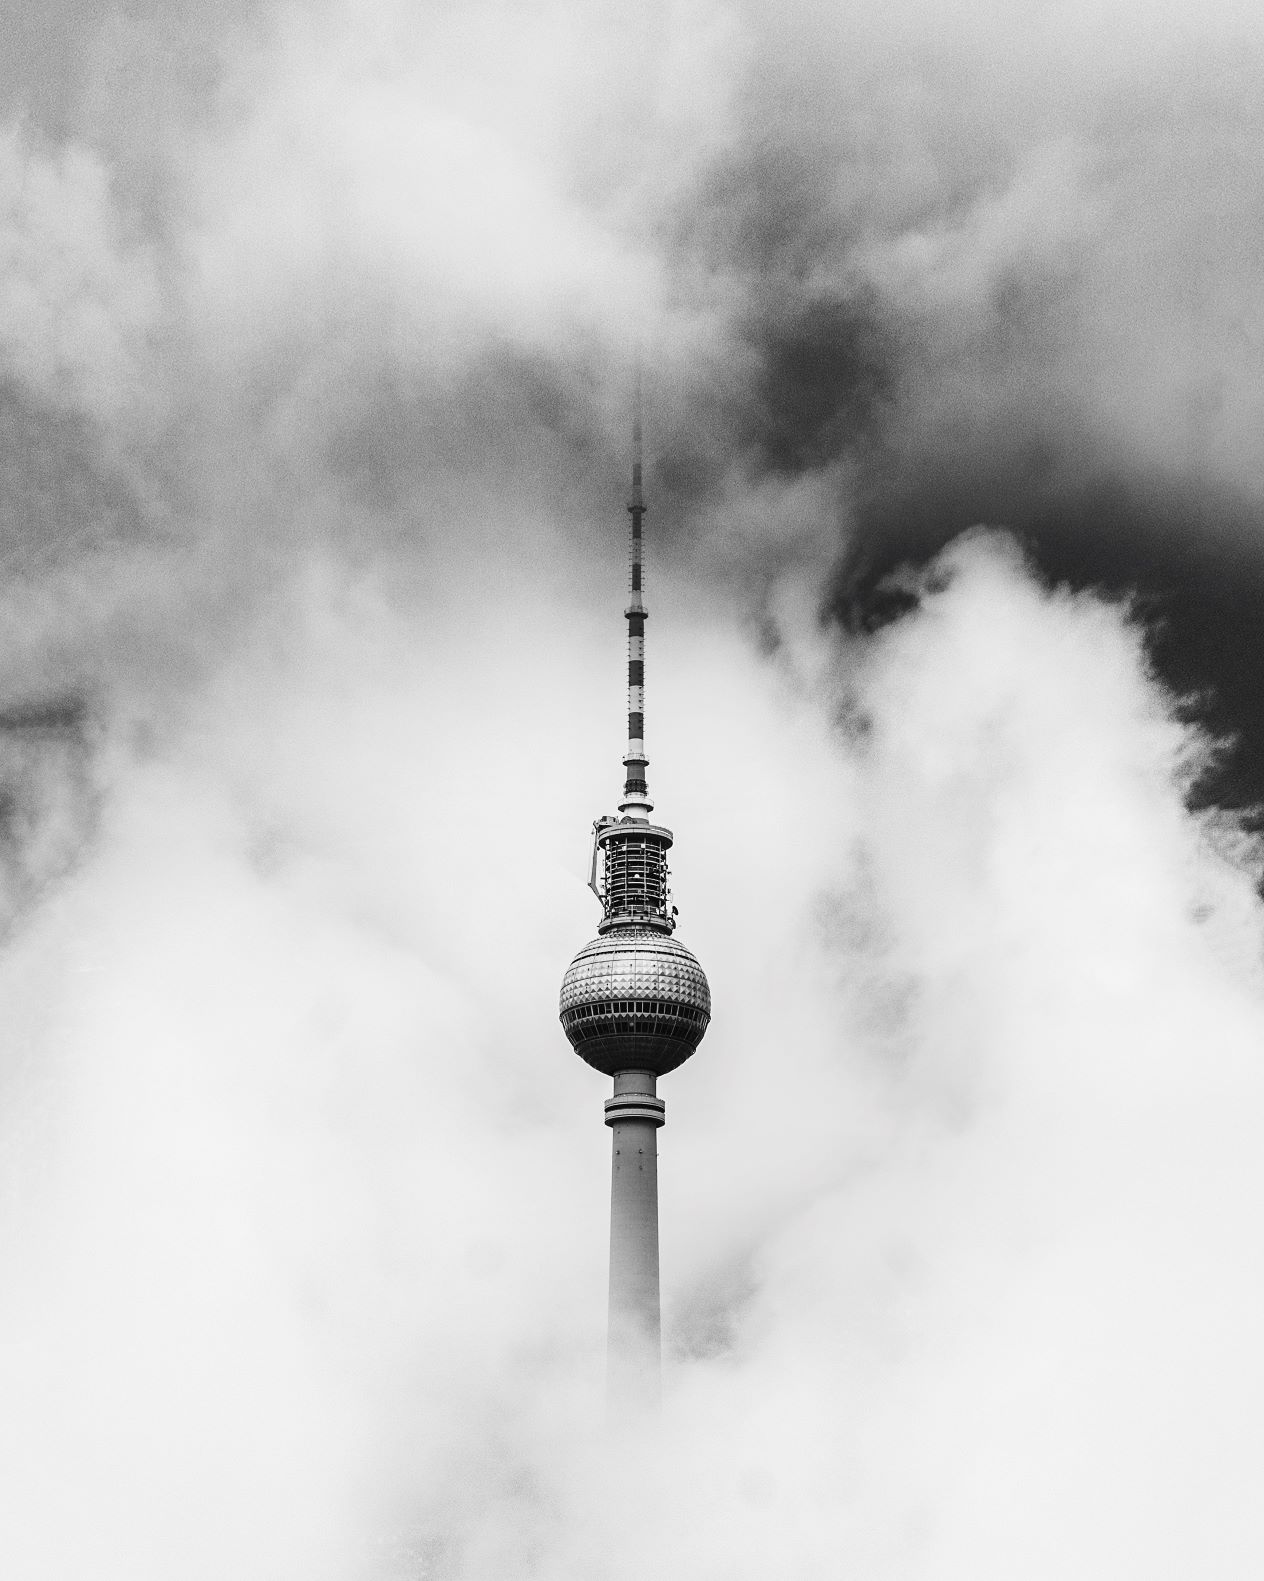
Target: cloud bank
315,334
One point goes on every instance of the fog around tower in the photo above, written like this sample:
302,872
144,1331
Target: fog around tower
316,326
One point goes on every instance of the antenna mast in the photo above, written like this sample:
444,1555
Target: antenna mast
636,801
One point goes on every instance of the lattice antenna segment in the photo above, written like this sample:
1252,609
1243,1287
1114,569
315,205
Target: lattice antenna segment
636,801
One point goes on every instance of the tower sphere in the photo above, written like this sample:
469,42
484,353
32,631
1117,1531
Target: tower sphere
635,999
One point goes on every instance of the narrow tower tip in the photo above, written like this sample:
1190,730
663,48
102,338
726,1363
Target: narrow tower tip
636,801
636,502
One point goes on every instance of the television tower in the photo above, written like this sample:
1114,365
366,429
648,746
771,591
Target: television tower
634,1004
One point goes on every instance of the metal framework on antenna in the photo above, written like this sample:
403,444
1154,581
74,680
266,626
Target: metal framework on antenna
635,783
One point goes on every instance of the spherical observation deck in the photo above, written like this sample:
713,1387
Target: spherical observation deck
635,999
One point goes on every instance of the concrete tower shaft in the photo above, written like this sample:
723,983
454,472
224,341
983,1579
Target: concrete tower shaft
634,1115
635,1004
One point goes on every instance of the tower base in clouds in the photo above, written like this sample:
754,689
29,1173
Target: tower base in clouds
634,1363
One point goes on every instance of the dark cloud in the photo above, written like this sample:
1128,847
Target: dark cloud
64,57
825,375
62,495
1188,552
49,799
819,373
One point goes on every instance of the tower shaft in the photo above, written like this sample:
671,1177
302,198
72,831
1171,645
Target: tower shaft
634,1115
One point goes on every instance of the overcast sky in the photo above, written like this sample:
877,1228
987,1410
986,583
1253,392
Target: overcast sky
317,327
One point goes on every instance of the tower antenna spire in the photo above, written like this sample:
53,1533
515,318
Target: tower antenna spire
636,801
638,410
634,1005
